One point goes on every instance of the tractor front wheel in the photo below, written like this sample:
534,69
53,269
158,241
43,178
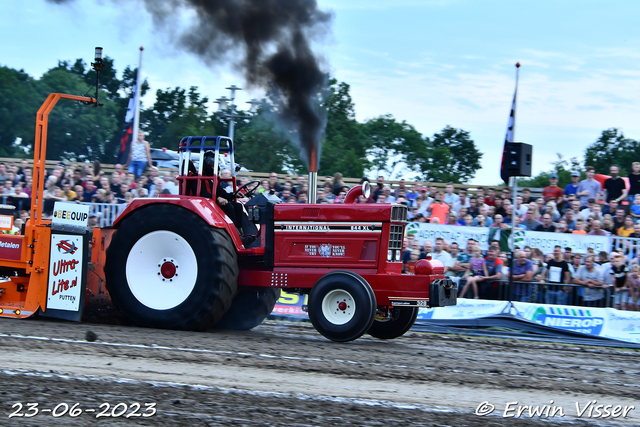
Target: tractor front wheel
342,306
167,268
400,321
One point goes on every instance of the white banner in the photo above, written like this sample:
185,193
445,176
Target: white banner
66,213
466,309
578,243
603,322
621,325
6,222
65,272
450,233
535,239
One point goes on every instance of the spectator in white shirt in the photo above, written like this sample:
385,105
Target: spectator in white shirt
441,255
450,197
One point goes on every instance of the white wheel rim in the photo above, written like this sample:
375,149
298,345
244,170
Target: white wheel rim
332,308
144,275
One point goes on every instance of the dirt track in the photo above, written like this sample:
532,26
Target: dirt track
287,374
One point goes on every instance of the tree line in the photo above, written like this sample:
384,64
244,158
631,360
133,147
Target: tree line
611,148
383,145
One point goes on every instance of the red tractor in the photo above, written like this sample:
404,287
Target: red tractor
201,260
181,262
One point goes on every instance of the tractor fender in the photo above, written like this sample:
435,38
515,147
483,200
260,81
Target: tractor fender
204,207
201,206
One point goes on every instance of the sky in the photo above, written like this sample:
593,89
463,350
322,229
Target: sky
431,63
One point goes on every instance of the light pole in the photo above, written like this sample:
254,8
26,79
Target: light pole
225,103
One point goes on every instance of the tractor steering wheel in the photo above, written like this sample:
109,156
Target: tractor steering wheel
247,190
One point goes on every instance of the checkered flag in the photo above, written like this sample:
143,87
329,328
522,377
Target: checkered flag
510,131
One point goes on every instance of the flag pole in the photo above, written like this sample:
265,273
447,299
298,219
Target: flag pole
136,116
514,185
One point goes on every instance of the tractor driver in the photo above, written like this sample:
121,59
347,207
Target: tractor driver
224,199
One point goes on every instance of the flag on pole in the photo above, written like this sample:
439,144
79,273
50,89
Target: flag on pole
132,119
127,131
510,132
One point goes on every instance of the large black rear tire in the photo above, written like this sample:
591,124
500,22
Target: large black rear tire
403,319
342,306
167,268
249,309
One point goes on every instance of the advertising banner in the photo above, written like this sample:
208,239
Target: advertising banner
290,303
466,309
603,322
65,272
10,247
621,325
578,243
66,213
535,239
450,233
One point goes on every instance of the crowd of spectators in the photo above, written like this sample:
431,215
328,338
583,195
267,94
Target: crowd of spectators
582,207
563,277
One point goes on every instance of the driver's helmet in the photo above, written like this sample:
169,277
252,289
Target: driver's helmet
210,157
209,163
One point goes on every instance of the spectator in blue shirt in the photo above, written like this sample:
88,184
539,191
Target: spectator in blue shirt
572,188
522,272
635,208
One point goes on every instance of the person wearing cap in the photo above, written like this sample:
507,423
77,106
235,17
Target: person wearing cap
553,190
572,187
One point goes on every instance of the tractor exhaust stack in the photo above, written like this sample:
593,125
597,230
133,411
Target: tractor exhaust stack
313,176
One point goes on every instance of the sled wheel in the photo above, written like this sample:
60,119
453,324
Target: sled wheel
402,320
342,306
249,308
167,268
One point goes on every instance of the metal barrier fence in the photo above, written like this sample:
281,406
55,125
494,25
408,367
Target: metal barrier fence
540,293
628,245
105,212
21,203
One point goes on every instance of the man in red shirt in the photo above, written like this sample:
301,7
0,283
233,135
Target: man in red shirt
490,200
439,209
553,190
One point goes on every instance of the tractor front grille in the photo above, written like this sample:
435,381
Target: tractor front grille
398,213
395,236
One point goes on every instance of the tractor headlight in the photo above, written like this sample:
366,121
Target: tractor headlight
398,254
389,255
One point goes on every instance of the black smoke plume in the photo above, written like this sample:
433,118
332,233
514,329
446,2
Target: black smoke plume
274,39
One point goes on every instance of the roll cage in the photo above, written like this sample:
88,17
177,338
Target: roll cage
192,181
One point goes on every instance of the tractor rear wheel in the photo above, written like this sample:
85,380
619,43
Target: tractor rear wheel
342,306
249,308
402,320
167,268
